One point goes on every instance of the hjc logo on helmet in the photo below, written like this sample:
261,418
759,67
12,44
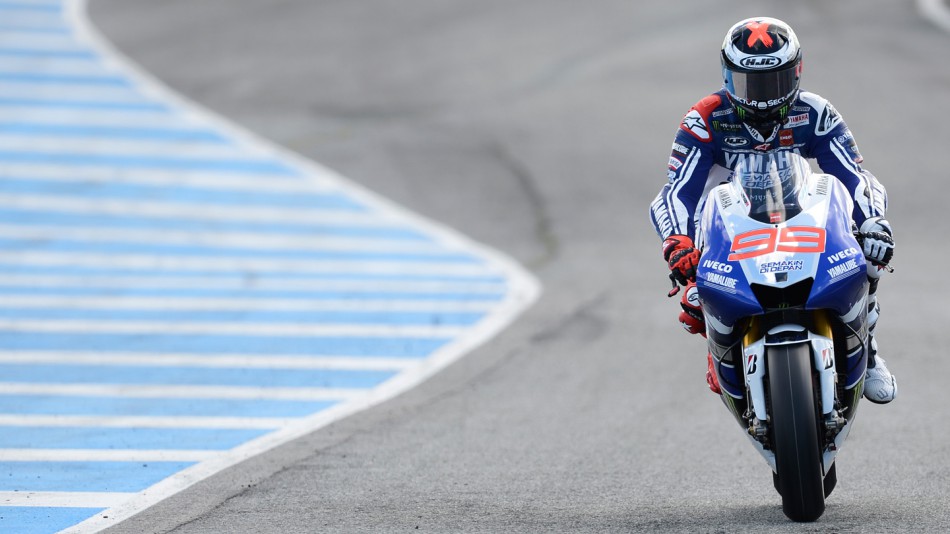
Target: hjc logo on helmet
760,62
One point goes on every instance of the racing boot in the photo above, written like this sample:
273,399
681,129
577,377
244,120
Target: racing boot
880,386
711,379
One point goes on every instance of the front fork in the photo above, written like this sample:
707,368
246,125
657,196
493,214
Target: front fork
821,341
822,350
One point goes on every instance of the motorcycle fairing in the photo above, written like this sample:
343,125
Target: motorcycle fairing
815,246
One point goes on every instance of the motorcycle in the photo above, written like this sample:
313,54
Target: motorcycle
783,287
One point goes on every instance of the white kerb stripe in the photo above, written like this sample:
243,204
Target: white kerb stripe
230,329
241,264
61,499
39,41
124,421
42,91
32,19
119,302
171,391
87,112
104,455
54,66
266,242
172,210
183,150
249,285
229,182
226,361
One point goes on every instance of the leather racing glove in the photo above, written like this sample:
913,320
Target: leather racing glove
682,258
877,240
692,315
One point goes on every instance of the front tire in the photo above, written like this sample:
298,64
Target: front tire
795,432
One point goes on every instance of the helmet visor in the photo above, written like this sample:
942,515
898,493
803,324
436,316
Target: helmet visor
764,90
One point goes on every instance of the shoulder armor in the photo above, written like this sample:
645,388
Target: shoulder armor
827,115
696,122
817,102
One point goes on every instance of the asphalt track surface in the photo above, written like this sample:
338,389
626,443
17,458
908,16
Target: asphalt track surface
542,129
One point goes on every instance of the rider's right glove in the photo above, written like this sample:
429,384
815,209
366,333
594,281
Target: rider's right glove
878,243
682,258
692,315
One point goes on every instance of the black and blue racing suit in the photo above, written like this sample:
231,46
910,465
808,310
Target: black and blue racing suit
711,139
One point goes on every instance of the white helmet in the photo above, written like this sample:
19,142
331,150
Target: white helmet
761,68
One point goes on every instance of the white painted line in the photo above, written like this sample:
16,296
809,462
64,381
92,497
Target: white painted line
250,286
103,455
37,41
171,328
54,66
46,113
224,361
274,184
61,499
936,11
89,111
232,264
173,210
220,239
127,421
57,93
113,302
30,19
171,391
89,146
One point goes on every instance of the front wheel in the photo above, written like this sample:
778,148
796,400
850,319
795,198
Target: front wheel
795,432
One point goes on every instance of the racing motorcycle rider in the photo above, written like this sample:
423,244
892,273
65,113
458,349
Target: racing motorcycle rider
760,108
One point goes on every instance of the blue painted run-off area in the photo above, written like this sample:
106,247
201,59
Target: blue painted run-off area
170,291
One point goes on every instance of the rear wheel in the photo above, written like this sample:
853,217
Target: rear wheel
795,432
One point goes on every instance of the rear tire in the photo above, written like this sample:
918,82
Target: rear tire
795,432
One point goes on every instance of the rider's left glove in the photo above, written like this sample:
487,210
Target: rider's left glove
682,258
878,243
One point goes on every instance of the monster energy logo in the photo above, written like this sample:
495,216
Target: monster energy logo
720,126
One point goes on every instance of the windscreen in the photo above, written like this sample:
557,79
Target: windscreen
771,182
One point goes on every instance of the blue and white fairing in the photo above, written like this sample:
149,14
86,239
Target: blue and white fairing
778,225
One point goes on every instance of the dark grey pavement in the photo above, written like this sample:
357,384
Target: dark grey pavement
542,128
